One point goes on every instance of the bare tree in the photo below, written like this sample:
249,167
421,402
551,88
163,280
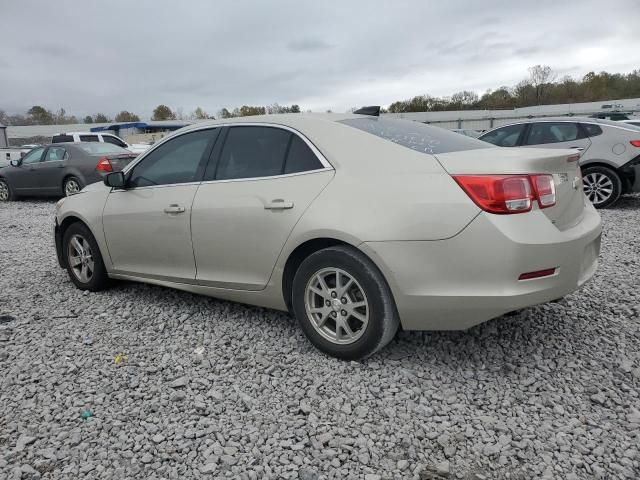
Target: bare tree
541,77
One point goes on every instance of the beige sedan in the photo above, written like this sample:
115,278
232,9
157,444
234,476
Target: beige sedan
356,224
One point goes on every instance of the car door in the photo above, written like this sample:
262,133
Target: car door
23,179
260,182
49,172
148,225
557,135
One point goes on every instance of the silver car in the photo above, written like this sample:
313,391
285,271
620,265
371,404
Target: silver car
355,224
609,151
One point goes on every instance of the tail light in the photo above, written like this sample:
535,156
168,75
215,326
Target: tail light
104,165
635,143
505,194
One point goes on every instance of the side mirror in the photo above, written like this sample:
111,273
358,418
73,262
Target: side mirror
115,180
15,163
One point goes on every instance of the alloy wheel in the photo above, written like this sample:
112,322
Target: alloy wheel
336,305
4,192
598,187
71,186
81,258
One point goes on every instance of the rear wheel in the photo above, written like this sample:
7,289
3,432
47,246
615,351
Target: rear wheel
602,186
83,259
6,194
343,304
71,186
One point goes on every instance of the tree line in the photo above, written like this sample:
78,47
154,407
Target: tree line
38,115
541,87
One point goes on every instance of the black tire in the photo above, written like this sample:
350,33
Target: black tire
71,181
383,317
602,197
6,195
98,279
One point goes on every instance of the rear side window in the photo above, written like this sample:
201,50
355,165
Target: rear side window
114,141
89,138
553,132
591,129
178,160
504,137
300,157
62,138
55,154
414,135
253,152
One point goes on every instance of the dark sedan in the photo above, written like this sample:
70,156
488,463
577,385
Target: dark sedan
61,169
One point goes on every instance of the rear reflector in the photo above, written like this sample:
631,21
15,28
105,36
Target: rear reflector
635,143
537,274
506,194
104,165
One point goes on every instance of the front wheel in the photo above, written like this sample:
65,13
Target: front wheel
83,259
343,303
6,194
602,186
71,186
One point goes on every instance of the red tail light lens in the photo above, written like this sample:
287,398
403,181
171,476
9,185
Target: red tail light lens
498,193
505,194
635,143
545,190
104,165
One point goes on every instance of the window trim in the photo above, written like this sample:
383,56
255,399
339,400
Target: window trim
326,165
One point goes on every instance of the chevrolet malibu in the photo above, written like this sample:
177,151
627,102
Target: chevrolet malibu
357,224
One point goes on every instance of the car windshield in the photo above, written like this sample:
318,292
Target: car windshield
94,148
416,136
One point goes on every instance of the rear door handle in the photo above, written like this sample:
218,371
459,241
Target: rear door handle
278,204
578,148
174,208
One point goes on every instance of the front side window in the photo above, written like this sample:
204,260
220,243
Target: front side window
34,156
178,160
56,154
504,137
89,138
114,141
253,152
553,132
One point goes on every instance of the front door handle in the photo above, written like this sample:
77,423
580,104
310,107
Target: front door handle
174,208
278,204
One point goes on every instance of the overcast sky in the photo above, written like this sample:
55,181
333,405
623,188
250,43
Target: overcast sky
112,55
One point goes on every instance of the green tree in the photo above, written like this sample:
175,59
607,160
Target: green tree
125,116
88,119
162,112
224,113
40,115
199,114
101,118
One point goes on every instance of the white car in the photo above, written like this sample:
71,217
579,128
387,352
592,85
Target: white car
356,224
99,137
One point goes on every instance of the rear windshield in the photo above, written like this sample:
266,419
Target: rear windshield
62,138
416,136
101,148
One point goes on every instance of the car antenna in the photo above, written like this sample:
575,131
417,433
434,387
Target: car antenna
374,111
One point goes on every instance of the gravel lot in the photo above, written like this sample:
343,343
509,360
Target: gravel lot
182,386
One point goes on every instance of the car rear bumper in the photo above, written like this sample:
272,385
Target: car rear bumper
460,282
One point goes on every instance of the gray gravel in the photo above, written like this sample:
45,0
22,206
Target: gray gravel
205,388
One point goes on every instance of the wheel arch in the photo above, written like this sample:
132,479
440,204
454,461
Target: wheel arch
61,229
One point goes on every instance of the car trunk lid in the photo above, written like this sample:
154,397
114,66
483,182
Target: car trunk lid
562,164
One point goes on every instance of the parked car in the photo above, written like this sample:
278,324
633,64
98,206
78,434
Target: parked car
611,115
610,151
61,169
356,224
99,137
